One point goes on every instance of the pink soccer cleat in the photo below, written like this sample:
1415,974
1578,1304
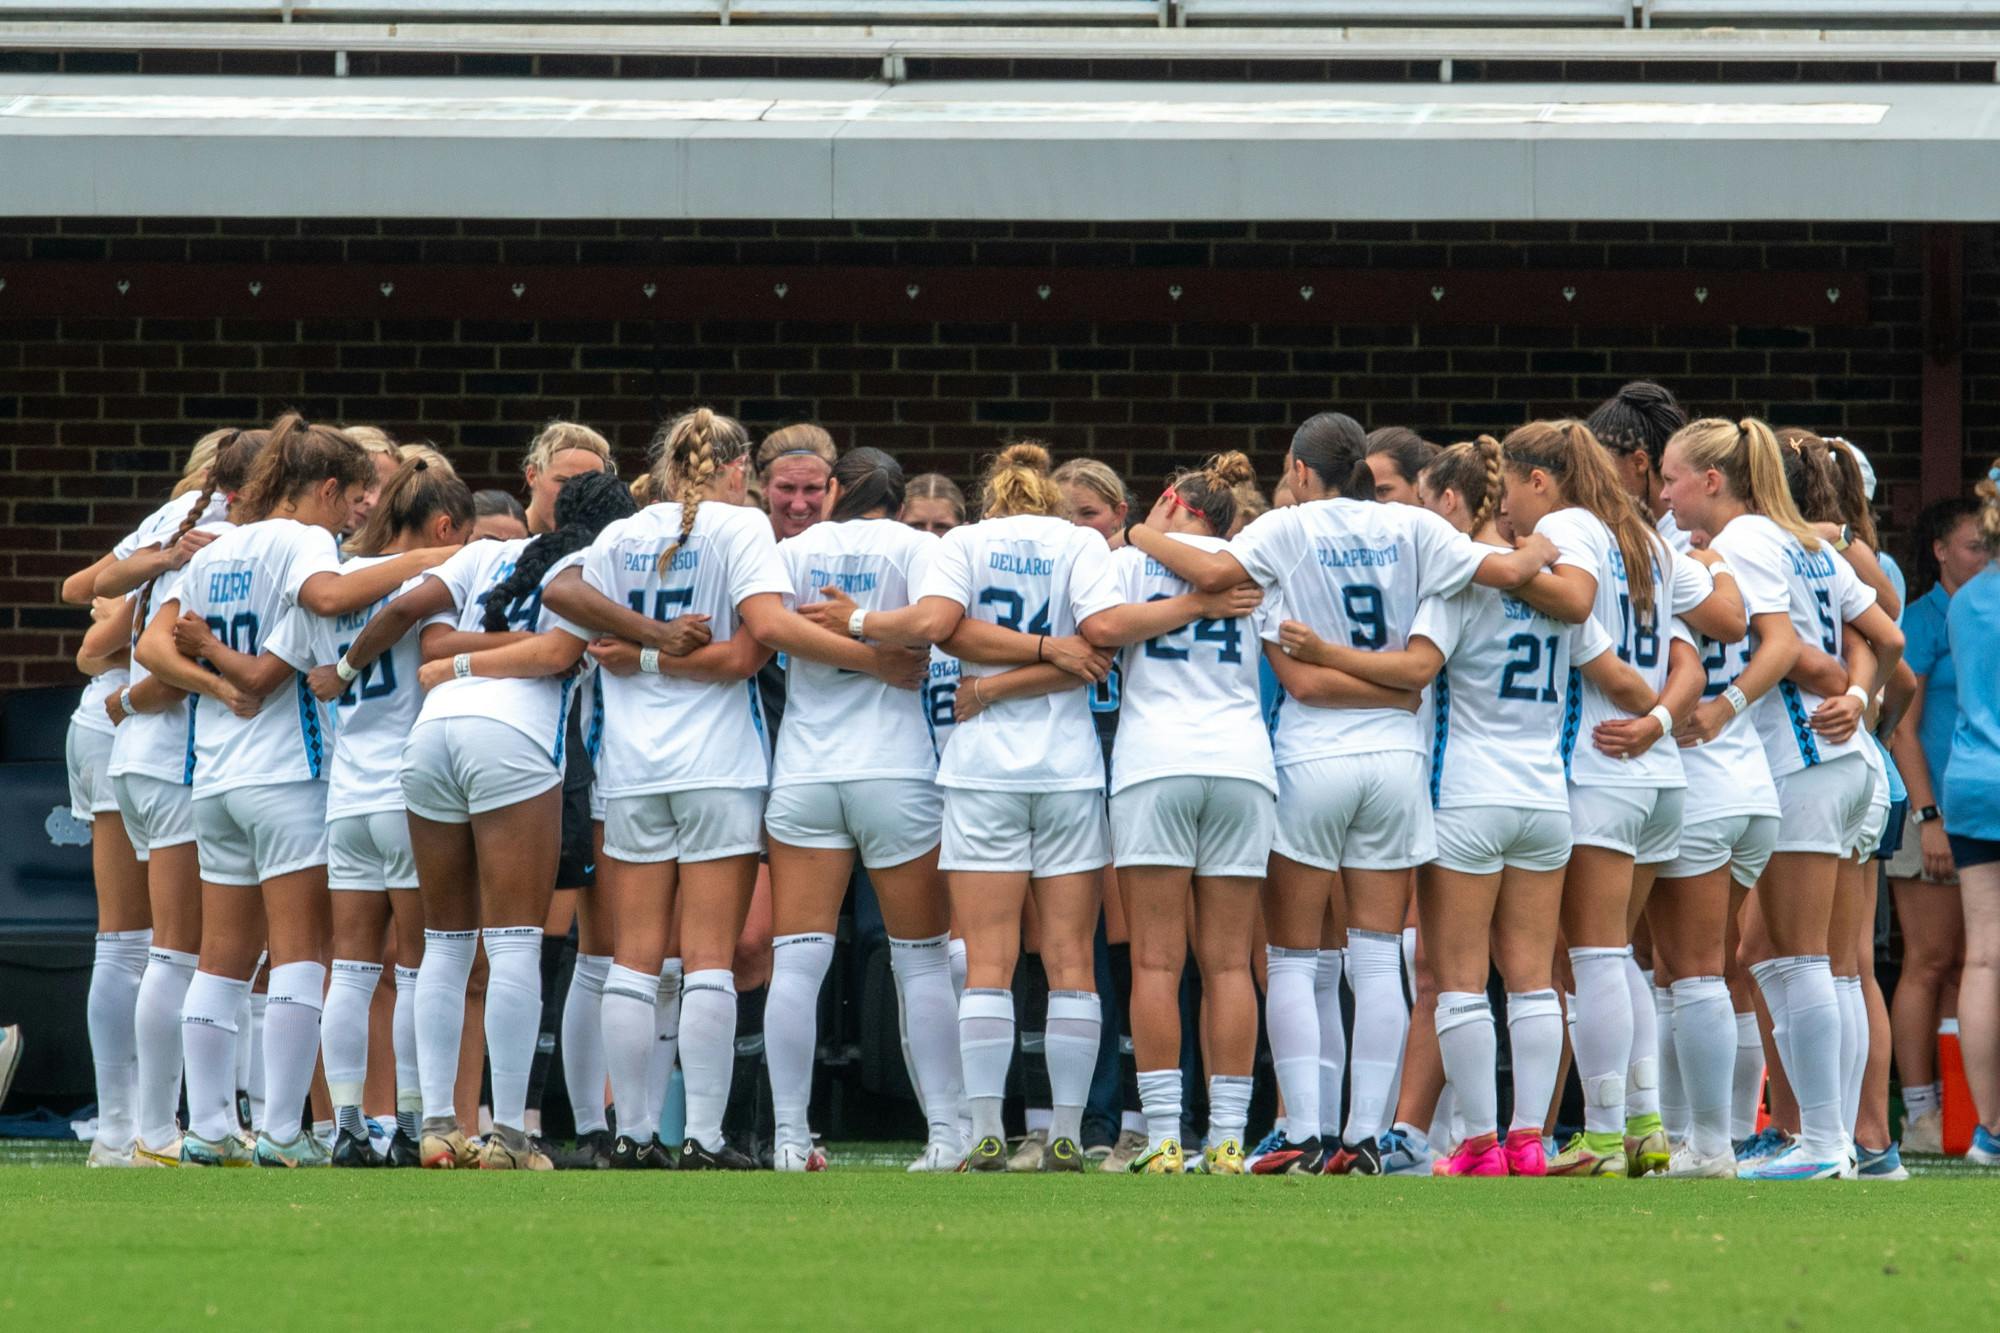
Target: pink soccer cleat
1525,1155
1479,1155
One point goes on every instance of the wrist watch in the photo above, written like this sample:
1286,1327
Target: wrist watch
1926,813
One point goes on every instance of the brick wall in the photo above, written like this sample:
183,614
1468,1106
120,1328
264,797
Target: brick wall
95,414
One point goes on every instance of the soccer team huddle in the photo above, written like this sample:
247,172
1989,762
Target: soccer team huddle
1591,680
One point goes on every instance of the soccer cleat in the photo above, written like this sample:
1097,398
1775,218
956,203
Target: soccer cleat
592,1152
1223,1159
1355,1159
1405,1154
1290,1159
1762,1146
1794,1164
443,1146
1028,1157
937,1157
1164,1160
694,1157
510,1149
161,1157
1268,1143
1129,1148
1985,1149
1525,1154
103,1154
786,1157
1063,1155
1687,1164
1885,1164
403,1150
1646,1147
989,1154
229,1150
1480,1155
302,1149
628,1154
1590,1154
1924,1133
352,1151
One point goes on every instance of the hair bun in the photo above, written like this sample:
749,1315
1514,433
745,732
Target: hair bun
1232,468
1028,455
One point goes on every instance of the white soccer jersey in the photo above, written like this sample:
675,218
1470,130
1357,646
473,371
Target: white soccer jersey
161,524
537,707
1728,775
1038,575
1821,594
1190,701
664,734
844,726
245,584
1499,700
1355,572
373,718
1584,541
940,698
156,745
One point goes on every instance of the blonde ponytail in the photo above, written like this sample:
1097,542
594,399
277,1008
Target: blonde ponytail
694,447
1018,482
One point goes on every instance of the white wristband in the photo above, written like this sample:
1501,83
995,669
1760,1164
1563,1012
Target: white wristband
854,622
1737,700
649,661
1660,714
125,700
1720,567
1860,692
343,670
461,666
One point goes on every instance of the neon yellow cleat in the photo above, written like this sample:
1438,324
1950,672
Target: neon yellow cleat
1647,1149
1164,1160
1224,1159
1590,1155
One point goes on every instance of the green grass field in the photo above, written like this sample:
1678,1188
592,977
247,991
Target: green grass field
874,1248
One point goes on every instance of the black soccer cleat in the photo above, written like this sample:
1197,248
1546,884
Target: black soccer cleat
403,1151
591,1153
356,1151
627,1155
1290,1159
1365,1157
694,1157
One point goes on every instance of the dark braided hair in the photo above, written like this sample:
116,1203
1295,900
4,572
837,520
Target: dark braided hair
869,479
586,504
1642,415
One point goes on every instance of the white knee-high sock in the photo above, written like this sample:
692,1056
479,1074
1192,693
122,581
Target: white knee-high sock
791,1030
985,1049
1602,1034
1444,1130
629,1005
1332,1038
1642,1062
291,1044
1291,1021
1228,1108
1160,1096
922,970
1746,1080
117,968
157,1028
208,1044
1076,1017
708,1050
1853,1047
1812,1013
1535,1035
441,981
1469,1050
1770,978
259,1006
343,1037
513,1017
1704,1039
1673,1090
666,1035
583,1041
403,1041
1381,1026
249,1058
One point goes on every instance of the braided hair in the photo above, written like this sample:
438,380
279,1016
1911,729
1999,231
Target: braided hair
1471,468
586,504
1642,415
692,449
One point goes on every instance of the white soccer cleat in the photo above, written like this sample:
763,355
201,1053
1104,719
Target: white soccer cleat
789,1157
1687,1164
103,1154
938,1157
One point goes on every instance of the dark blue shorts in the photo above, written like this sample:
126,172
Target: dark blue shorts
1892,836
1967,852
